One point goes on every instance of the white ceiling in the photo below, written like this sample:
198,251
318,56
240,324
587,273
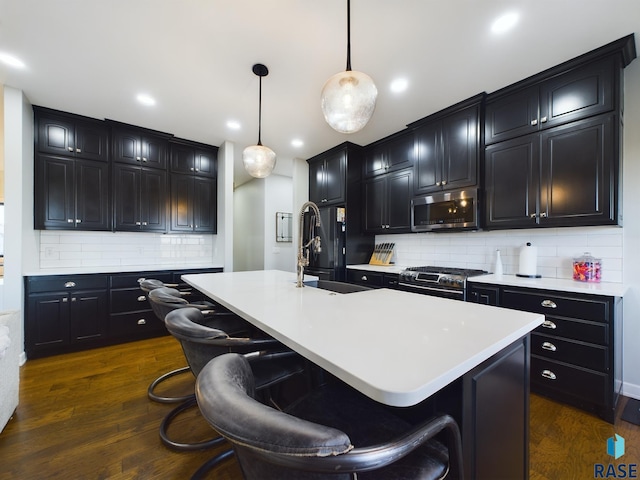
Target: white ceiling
92,57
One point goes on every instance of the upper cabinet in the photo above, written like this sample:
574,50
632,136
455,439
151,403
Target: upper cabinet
554,144
447,147
579,93
331,171
395,152
193,158
70,135
139,146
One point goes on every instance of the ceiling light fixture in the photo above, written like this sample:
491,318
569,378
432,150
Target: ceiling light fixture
348,98
259,160
145,99
11,61
504,23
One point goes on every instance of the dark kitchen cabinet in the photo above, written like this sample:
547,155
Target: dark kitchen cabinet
140,198
564,176
576,354
193,204
328,178
392,153
193,158
373,279
448,146
66,312
71,193
58,133
573,95
387,202
139,146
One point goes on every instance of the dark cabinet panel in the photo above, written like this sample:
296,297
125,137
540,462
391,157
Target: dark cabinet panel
447,146
328,178
140,198
71,194
576,353
193,204
88,315
573,95
140,147
71,135
191,157
387,202
389,154
565,176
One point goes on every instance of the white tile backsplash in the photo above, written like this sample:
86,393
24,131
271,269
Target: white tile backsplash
557,247
62,249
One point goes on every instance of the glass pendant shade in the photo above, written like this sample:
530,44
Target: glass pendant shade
348,101
258,160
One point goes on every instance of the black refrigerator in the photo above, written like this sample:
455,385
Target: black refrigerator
330,262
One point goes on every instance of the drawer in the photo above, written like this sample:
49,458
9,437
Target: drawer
568,351
131,280
553,303
591,332
362,277
129,300
177,274
586,385
135,324
57,283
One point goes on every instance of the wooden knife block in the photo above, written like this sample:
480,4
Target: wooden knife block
382,254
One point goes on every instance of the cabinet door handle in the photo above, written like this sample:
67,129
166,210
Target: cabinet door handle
142,298
69,220
534,122
78,220
549,304
70,149
543,214
543,119
438,184
444,182
548,374
144,223
549,346
73,299
142,321
192,169
78,150
138,223
65,300
70,284
532,215
549,324
144,159
138,158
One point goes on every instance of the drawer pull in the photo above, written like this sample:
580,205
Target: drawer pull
548,374
364,278
549,324
141,279
70,284
142,298
142,321
549,346
549,304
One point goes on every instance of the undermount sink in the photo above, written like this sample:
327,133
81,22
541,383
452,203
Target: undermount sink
333,286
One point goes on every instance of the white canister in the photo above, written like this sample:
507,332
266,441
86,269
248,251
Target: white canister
528,262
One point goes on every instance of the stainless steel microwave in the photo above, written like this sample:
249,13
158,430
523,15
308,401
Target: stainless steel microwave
457,209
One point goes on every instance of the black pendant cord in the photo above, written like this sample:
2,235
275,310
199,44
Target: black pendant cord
260,112
348,35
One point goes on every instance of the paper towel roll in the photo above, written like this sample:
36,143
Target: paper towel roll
528,262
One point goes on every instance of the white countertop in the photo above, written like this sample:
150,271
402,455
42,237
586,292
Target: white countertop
561,284
114,269
396,347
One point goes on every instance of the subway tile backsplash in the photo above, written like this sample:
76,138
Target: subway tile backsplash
557,247
62,249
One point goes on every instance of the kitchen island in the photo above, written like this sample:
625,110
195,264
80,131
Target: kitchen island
405,350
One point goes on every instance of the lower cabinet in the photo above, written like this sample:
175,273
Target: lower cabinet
65,313
576,354
372,279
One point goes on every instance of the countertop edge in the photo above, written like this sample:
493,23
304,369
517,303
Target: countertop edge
561,284
114,269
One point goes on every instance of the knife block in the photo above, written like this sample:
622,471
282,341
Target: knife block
382,254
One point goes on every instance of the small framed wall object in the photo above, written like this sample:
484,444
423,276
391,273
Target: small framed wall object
283,227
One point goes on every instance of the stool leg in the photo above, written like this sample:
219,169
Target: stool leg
162,399
211,463
164,426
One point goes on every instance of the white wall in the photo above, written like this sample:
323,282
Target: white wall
248,226
279,198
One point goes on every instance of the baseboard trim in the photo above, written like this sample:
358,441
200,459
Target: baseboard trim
22,359
631,390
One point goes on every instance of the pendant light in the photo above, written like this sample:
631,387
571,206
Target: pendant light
259,160
349,97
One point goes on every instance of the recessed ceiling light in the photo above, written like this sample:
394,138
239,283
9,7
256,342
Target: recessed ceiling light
11,61
399,85
233,125
145,99
504,23
296,142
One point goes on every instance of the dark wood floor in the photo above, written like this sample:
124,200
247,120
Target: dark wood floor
86,415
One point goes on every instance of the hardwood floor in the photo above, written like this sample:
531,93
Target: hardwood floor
86,415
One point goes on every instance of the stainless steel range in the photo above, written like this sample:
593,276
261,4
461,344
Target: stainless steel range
437,281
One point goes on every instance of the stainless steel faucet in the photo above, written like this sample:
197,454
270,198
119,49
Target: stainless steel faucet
303,250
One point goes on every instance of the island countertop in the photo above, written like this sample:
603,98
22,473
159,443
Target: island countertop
396,347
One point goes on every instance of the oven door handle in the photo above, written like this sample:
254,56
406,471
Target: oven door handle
433,289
